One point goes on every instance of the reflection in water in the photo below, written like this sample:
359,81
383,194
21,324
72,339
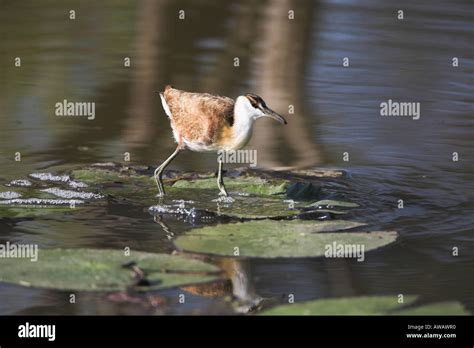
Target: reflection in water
288,62
137,130
280,68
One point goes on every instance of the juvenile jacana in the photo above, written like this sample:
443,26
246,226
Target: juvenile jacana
204,122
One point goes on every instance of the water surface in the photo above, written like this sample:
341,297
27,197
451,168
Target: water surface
297,62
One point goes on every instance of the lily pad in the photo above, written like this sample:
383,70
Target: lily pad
440,308
253,185
271,239
104,270
253,195
369,305
241,207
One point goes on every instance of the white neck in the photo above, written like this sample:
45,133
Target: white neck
244,117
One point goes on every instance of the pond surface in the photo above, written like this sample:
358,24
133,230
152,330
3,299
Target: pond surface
336,124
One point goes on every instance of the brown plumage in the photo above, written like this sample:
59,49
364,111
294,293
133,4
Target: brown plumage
199,117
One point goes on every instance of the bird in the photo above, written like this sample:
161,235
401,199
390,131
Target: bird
204,122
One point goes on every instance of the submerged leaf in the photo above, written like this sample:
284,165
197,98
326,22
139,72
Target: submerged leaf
271,239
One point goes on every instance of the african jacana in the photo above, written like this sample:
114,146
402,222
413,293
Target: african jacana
204,122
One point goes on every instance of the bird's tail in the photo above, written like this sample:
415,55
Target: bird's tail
165,104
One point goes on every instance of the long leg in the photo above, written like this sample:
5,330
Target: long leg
159,171
220,180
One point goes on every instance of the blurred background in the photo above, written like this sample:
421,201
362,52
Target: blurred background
295,62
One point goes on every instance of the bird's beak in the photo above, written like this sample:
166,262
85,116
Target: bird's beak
270,113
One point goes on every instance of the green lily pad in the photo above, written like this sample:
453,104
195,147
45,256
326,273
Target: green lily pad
271,239
252,196
240,207
440,308
369,305
329,202
103,270
253,185
259,198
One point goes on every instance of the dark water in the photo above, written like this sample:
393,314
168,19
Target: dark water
297,62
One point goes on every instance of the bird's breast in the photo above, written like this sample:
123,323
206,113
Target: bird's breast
234,138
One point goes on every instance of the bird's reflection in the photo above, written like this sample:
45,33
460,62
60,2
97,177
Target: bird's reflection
238,272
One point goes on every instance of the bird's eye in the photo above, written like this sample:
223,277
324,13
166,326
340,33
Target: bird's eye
253,102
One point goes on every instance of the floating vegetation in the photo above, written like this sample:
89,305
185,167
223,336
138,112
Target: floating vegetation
272,215
252,185
283,239
369,305
105,270
252,207
253,194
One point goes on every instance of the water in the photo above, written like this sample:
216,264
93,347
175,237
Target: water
298,62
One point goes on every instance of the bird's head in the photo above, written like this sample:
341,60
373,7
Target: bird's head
254,107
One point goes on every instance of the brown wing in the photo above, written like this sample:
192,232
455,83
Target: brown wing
198,117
